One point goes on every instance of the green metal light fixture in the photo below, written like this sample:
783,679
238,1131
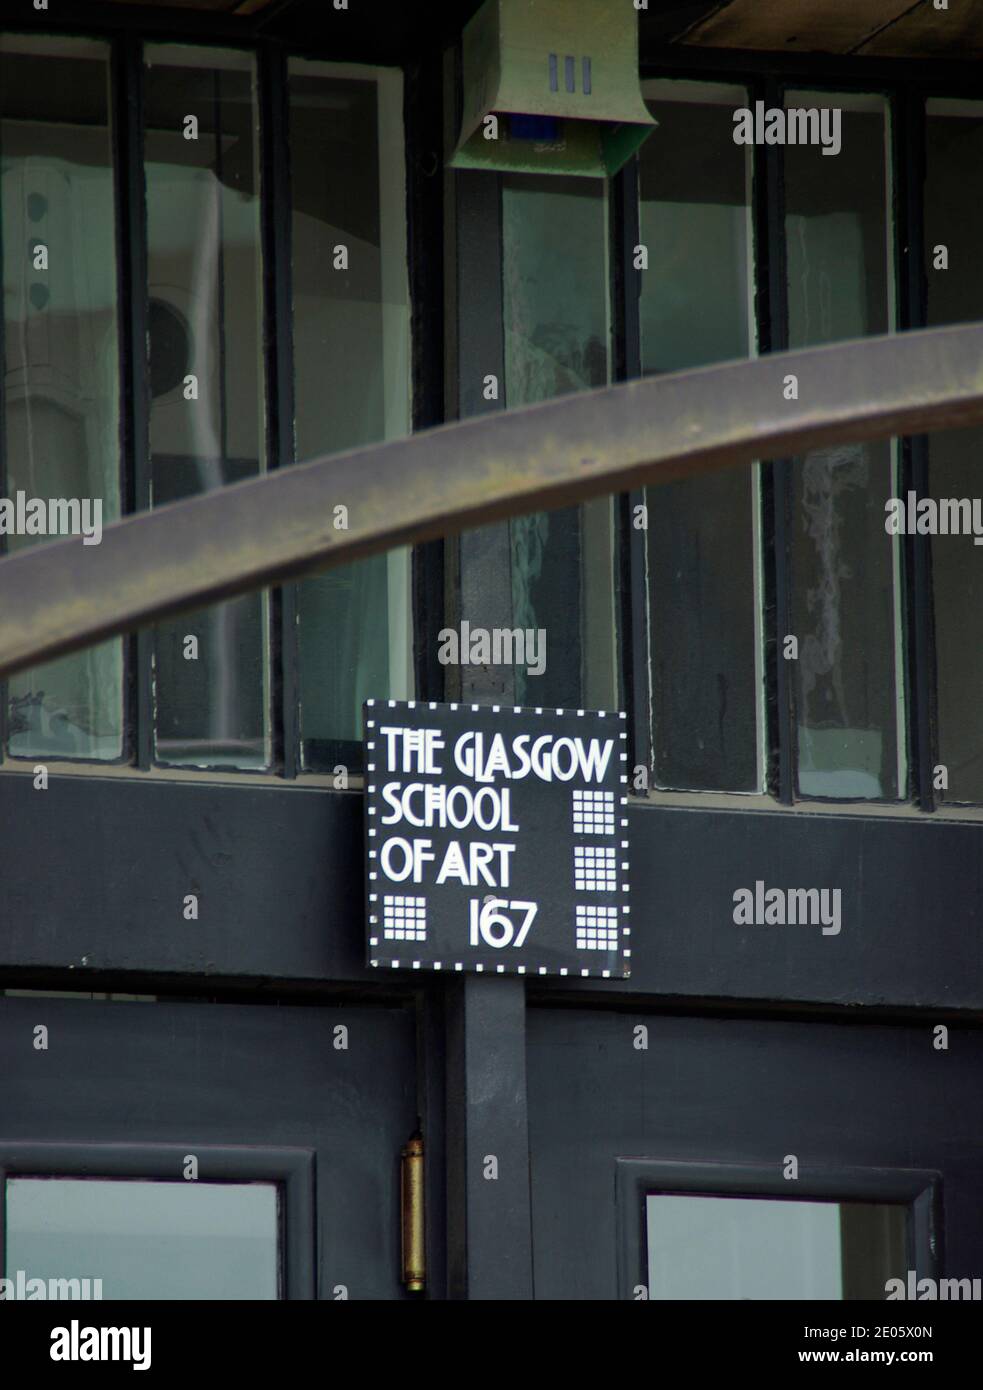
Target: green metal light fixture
551,87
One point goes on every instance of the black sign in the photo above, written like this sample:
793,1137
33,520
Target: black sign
497,839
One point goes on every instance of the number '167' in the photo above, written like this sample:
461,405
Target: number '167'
491,925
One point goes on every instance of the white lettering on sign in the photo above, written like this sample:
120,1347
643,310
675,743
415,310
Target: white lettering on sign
466,868
494,928
418,752
496,851
412,856
548,757
469,865
433,804
427,805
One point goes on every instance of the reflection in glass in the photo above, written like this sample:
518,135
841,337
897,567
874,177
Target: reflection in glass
554,250
352,369
708,1247
954,221
844,567
211,678
702,536
147,1240
59,405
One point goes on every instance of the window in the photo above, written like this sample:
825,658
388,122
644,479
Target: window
275,213
555,296
710,1247
60,405
253,682
351,378
146,1240
701,542
953,234
721,1230
845,610
714,589
207,426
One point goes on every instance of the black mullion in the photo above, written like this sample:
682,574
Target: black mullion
423,138
4,688
220,270
858,72
908,113
275,202
771,295
626,287
131,230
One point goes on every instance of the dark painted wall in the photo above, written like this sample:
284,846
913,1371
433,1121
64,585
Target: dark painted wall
94,874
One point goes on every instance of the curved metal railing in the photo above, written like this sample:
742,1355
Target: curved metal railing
59,597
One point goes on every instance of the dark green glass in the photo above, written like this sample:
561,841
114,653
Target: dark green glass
207,416
60,385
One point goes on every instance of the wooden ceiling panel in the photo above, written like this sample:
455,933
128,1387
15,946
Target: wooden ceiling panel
213,6
882,28
825,26
927,32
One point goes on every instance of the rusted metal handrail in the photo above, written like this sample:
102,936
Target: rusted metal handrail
58,597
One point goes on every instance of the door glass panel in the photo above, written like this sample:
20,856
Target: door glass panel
59,402
702,556
953,237
352,373
204,278
705,1247
146,1240
844,567
555,304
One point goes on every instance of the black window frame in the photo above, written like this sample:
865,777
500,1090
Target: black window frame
292,1171
906,86
126,36
918,1190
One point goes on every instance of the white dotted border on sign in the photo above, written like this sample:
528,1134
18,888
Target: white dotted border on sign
535,970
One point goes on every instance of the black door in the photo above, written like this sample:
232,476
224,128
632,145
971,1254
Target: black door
185,1150
725,1157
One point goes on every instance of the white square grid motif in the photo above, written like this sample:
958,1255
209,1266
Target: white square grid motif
594,868
593,813
597,928
404,919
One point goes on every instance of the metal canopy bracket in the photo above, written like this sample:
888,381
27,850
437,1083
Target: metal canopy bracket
58,597
551,87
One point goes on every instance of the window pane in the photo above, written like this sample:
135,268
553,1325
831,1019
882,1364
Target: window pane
704,1247
146,1240
211,671
554,249
702,536
352,371
844,567
954,220
60,388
